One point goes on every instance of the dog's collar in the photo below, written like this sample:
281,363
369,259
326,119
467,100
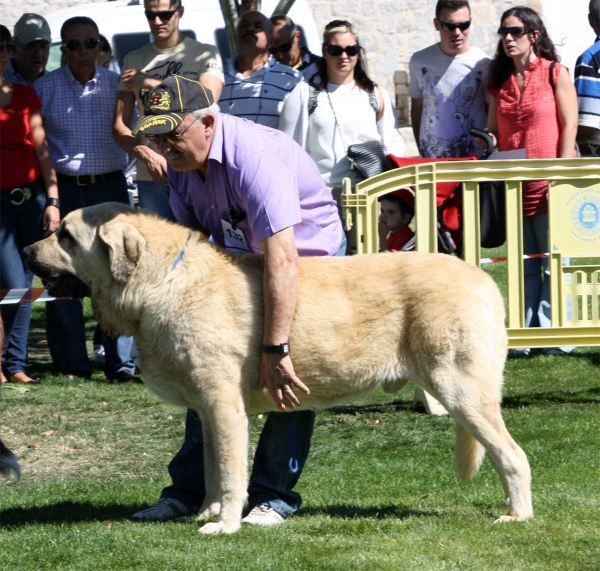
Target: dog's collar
179,257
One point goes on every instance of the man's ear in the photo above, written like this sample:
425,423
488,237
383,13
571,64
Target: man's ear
125,248
208,122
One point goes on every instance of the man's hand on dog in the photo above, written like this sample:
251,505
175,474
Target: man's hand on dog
277,374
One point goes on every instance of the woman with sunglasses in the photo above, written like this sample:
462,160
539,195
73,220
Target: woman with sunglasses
29,204
340,106
533,105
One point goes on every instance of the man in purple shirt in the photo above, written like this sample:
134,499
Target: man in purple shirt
253,189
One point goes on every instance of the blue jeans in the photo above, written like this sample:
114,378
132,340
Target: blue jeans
537,273
65,328
20,226
271,482
154,196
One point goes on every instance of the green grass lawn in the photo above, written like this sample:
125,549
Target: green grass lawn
379,488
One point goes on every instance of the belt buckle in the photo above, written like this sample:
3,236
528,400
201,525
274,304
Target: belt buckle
25,195
92,179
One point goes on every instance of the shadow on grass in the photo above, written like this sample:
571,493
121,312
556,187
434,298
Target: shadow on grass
587,396
73,512
373,408
67,512
356,512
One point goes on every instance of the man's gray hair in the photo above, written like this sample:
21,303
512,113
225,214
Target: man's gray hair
212,110
595,10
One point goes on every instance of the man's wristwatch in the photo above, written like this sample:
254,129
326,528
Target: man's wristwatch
50,201
283,349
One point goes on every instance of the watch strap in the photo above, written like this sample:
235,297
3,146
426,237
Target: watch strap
51,201
282,349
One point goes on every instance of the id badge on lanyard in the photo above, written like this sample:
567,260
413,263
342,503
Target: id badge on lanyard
235,241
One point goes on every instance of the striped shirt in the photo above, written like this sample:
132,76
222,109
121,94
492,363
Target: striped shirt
260,96
587,84
78,121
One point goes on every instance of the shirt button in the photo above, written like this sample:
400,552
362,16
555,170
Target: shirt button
212,205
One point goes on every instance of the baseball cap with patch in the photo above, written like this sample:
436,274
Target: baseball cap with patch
169,103
31,27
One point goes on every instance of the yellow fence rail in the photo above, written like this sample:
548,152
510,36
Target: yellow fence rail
574,226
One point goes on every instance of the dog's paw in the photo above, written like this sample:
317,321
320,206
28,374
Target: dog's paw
214,528
208,510
509,518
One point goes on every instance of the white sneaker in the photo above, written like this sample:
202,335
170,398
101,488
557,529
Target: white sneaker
263,515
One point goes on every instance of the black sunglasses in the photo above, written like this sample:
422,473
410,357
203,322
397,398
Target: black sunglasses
351,50
451,26
164,15
8,47
89,43
284,48
515,31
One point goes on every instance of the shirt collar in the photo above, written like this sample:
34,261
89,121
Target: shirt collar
216,147
93,81
231,69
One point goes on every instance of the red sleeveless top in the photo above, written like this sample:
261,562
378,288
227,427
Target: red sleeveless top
529,120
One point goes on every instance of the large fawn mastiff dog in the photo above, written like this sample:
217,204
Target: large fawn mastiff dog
197,315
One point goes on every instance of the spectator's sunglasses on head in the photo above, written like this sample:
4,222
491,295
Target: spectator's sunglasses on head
338,24
351,50
285,47
515,31
451,26
164,15
172,137
10,48
89,43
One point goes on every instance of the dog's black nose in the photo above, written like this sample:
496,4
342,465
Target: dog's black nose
27,252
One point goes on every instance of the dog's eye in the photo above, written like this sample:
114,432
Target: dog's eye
64,235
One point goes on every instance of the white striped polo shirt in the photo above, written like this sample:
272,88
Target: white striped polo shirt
260,96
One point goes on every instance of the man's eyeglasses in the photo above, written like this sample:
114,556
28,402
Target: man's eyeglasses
164,15
351,50
285,47
8,47
172,137
89,43
515,31
451,26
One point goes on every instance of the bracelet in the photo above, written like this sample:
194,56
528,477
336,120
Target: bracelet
283,349
50,201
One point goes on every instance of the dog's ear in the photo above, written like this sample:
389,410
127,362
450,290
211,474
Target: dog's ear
125,247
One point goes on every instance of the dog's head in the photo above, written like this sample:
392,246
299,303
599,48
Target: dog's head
93,248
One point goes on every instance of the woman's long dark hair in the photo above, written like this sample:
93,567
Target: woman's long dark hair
502,66
320,79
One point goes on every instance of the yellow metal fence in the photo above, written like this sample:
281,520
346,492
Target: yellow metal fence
574,231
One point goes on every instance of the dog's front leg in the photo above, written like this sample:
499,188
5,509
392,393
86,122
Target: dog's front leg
229,426
212,502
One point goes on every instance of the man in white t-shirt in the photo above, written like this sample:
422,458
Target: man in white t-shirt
448,86
171,53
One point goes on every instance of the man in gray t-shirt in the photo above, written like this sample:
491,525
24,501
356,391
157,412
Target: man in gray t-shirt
448,86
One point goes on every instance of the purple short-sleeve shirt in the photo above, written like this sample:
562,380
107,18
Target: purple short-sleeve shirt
262,181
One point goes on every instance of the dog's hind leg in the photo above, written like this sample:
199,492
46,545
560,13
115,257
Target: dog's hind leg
229,426
212,502
475,406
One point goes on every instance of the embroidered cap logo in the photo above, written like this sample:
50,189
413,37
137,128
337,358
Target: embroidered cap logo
160,100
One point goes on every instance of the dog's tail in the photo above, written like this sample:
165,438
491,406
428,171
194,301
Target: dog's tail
470,454
8,462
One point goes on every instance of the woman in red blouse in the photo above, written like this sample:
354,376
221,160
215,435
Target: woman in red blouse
29,204
533,105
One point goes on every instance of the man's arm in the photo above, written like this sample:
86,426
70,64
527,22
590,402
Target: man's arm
279,295
213,83
416,111
156,164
